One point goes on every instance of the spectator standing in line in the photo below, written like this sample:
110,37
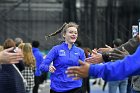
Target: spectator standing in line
19,65
86,83
29,61
121,84
10,79
39,58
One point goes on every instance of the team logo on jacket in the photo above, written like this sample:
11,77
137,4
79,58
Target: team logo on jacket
76,53
62,53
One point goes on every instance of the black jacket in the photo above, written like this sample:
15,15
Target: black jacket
10,80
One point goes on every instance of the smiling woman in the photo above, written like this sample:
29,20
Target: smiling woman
63,56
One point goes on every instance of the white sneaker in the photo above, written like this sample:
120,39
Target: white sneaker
39,90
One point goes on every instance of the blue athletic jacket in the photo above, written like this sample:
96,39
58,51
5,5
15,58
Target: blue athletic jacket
119,69
62,58
39,59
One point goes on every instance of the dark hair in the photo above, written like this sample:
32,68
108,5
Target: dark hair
78,43
9,43
87,52
35,44
117,42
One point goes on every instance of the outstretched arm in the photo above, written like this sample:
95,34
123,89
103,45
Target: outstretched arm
44,66
110,71
129,46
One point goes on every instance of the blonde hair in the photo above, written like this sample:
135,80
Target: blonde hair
29,58
63,29
70,24
1,48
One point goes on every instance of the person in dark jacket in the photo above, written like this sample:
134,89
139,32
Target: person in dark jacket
86,83
10,79
19,65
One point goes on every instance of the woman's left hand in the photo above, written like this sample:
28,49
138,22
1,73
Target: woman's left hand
52,69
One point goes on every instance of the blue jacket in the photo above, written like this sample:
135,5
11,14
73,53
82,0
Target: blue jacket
63,58
119,69
39,59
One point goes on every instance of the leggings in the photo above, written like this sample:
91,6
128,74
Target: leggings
76,90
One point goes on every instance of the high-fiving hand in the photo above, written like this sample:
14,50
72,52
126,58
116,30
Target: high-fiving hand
76,72
118,54
6,57
95,58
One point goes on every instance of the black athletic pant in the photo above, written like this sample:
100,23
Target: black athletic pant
76,90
